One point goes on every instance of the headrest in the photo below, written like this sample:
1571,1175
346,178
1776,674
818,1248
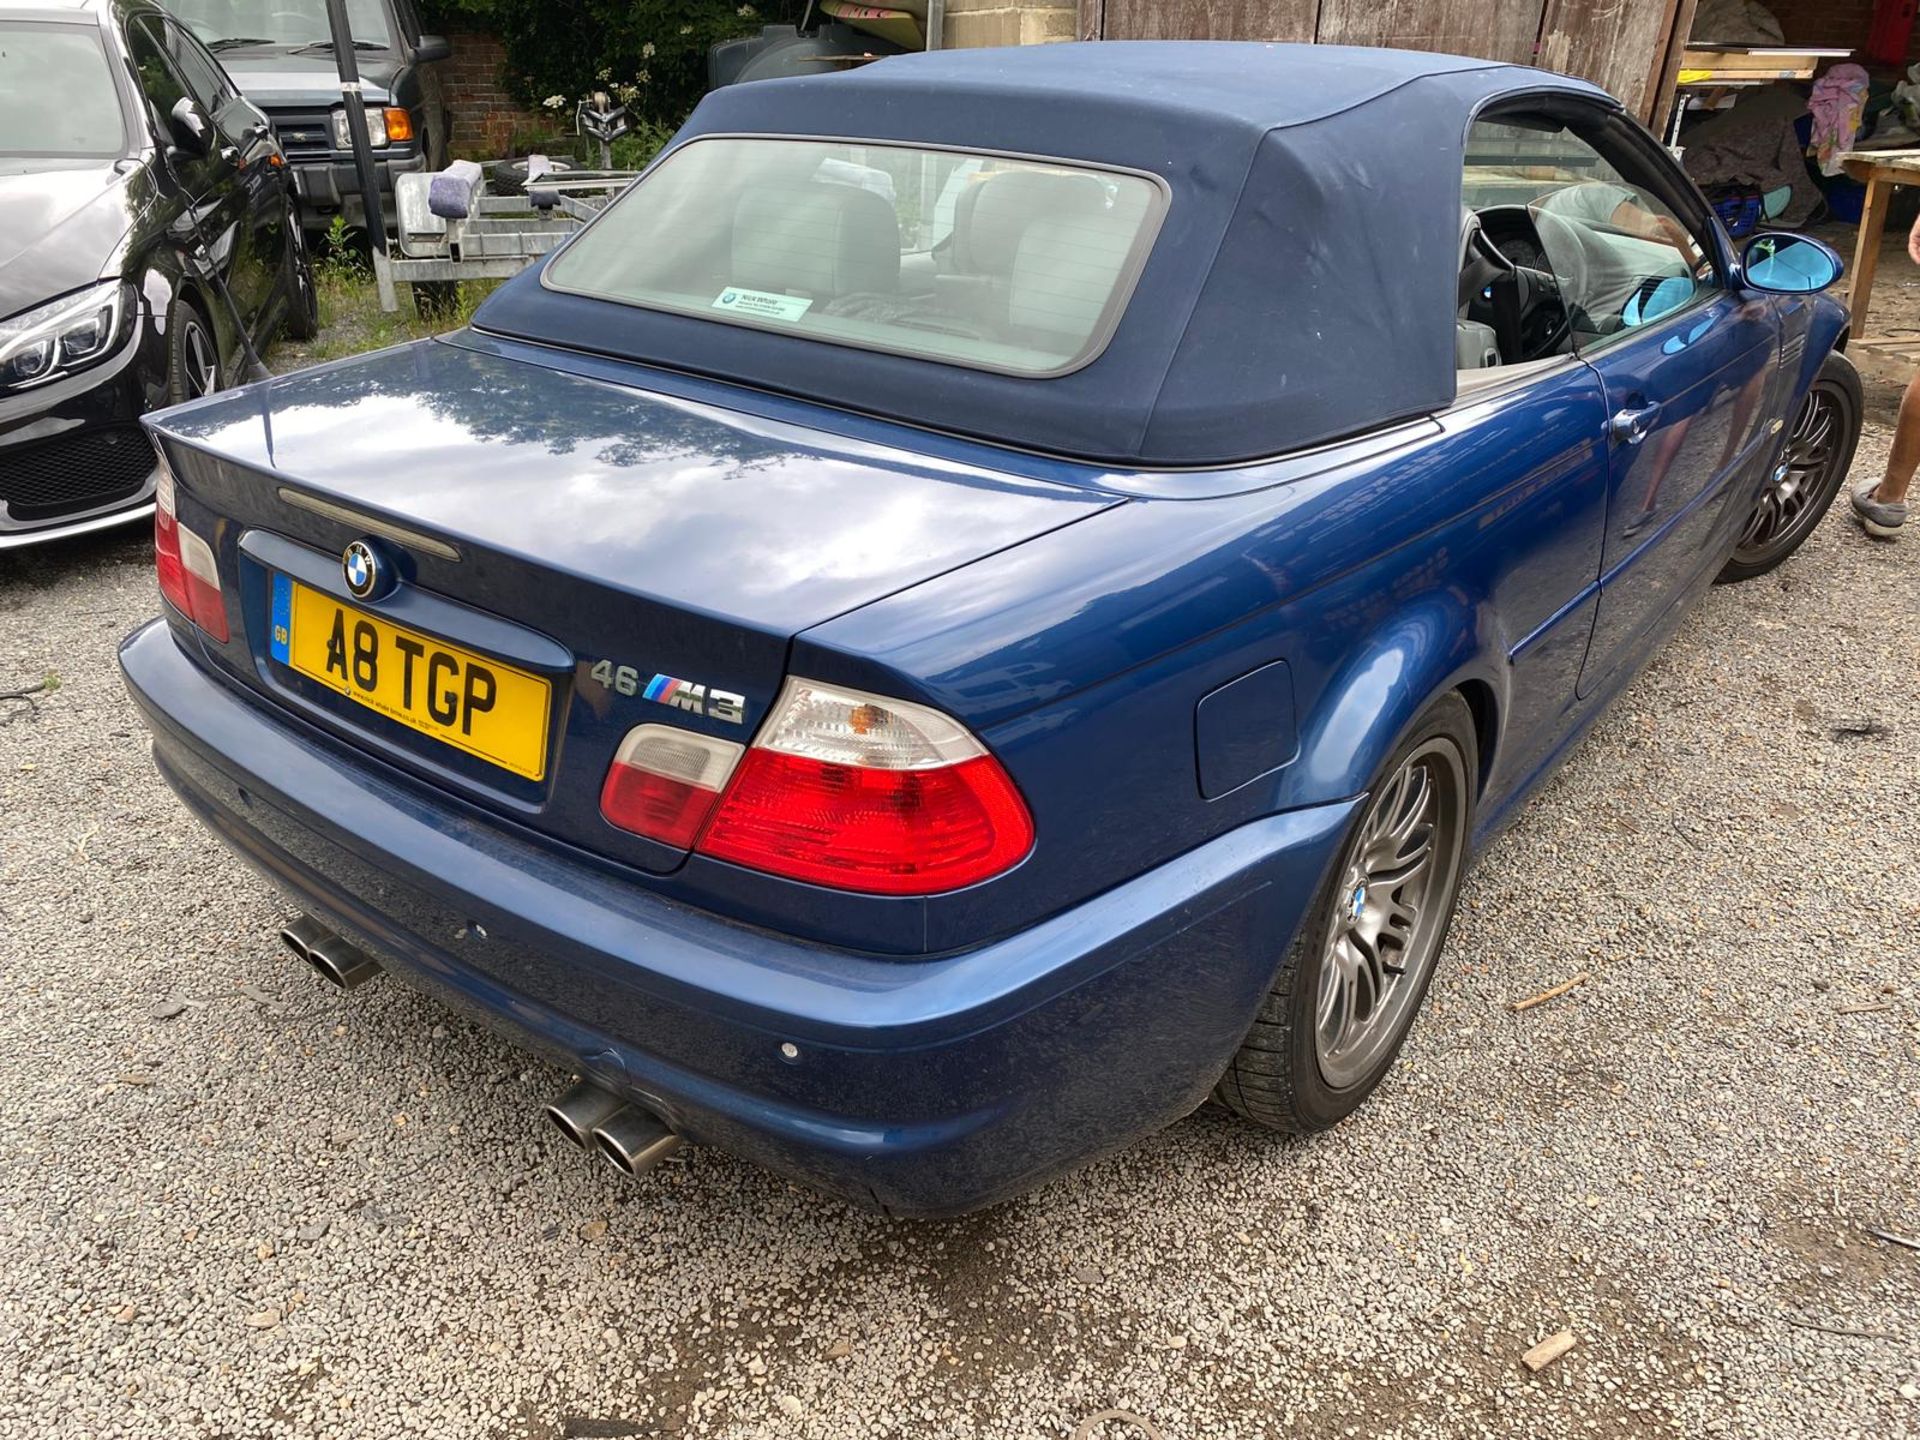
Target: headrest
815,238
992,214
1063,273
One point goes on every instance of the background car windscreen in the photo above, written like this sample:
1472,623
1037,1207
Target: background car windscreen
57,97
236,23
1001,264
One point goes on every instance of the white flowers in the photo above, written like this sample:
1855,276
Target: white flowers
554,102
646,51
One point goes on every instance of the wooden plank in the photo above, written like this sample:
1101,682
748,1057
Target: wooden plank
1614,44
1490,29
1667,61
1902,167
1866,251
1739,62
1201,20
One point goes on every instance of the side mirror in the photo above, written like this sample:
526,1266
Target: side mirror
192,131
1789,264
429,48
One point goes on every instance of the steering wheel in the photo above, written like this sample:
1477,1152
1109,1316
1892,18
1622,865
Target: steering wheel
1545,321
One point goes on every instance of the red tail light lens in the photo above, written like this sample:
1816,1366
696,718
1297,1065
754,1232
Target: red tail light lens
189,576
664,781
864,793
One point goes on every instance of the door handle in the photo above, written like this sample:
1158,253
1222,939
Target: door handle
1630,425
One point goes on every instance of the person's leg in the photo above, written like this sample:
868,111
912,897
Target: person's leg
1882,509
1904,457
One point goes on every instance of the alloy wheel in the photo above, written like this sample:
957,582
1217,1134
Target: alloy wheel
200,364
1390,912
1813,449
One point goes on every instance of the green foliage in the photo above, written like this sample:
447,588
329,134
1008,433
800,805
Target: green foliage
352,322
635,150
651,53
342,252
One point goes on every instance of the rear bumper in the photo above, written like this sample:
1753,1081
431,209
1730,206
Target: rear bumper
921,1087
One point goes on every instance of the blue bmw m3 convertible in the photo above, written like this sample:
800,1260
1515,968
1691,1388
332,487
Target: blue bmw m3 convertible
991,597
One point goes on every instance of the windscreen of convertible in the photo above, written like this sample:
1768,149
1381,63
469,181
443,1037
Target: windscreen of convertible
1021,266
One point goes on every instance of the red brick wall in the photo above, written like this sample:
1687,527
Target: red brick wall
485,117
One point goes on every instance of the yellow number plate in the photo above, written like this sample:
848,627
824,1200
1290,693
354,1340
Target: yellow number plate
465,700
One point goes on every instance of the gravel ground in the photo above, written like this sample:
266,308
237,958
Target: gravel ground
275,1210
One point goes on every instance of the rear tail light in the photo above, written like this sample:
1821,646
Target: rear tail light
664,781
189,578
864,793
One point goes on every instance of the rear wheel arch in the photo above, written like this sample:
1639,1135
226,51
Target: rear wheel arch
1388,684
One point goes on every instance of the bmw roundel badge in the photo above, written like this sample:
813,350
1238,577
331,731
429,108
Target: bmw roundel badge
363,570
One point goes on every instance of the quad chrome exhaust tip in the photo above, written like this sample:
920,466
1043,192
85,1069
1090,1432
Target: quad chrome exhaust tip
631,1138
582,1107
634,1141
335,959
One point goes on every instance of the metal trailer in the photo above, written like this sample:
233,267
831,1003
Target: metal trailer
500,236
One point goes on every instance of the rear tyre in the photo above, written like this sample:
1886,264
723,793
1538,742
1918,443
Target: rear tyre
1342,1004
1813,467
193,354
303,299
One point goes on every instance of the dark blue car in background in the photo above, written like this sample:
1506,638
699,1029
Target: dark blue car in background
992,596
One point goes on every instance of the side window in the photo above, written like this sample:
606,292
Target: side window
409,21
199,69
1618,254
160,86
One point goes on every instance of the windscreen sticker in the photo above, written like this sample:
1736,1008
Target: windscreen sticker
760,304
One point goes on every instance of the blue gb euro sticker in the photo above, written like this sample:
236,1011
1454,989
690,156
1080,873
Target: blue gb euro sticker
279,645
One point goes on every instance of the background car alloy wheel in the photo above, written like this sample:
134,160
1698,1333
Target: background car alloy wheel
1342,1003
1812,466
200,374
1381,941
303,300
193,354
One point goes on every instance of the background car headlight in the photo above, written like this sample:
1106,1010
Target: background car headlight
385,124
62,335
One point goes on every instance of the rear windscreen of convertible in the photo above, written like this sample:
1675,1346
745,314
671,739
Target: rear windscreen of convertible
1003,264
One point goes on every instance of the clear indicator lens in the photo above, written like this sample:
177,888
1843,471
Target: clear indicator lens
845,727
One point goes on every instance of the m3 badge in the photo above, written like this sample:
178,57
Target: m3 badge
695,699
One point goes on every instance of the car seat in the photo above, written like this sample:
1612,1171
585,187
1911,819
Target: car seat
816,239
1064,275
991,220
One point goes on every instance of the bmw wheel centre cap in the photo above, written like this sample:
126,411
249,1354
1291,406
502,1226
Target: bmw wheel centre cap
364,572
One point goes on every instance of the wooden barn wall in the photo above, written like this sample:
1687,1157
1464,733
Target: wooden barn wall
1624,46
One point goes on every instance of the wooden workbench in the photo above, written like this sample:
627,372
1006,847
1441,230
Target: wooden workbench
1880,171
